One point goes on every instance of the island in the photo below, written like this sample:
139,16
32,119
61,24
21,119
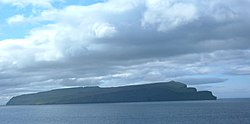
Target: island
163,91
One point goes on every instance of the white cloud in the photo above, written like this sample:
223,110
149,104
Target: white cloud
168,14
102,30
16,19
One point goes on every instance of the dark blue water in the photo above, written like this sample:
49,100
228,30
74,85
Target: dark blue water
235,111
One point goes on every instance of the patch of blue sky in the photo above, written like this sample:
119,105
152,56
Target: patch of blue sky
241,79
235,87
17,30
11,32
7,11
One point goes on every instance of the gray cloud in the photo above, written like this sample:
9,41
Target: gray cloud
120,43
239,70
201,80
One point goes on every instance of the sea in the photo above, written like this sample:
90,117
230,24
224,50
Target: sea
225,111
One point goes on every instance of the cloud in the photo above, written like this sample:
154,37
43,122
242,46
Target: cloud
168,14
119,42
102,30
16,19
240,70
201,80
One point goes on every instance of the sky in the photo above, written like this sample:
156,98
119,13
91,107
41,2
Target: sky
50,44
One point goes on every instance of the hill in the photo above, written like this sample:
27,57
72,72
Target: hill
165,91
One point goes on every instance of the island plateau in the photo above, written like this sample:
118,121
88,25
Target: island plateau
163,91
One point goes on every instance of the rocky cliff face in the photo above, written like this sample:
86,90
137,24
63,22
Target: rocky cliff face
165,91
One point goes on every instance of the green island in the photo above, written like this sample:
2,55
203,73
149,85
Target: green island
163,91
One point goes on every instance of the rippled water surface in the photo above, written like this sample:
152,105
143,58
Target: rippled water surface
233,111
